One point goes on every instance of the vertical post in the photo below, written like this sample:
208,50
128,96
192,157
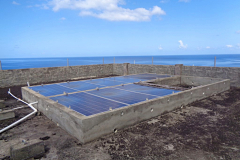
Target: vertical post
152,60
114,60
67,62
103,60
134,61
0,65
215,61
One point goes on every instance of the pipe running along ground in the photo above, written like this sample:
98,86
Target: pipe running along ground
22,119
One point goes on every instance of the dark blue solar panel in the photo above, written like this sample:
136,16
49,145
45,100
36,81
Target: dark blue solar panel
104,82
52,89
147,90
80,85
87,104
122,95
148,76
125,79
97,101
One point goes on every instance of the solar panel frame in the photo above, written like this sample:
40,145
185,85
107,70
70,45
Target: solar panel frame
110,92
104,82
80,85
51,90
87,104
159,92
122,95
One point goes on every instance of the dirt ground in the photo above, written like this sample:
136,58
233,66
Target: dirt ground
206,129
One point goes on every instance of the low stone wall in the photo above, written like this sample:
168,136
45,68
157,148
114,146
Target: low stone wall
232,73
17,77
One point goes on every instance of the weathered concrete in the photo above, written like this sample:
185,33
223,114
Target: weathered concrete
187,81
2,105
232,73
18,77
31,149
7,114
88,128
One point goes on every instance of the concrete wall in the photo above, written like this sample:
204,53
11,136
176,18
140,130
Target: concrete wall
16,77
232,73
105,123
171,81
64,117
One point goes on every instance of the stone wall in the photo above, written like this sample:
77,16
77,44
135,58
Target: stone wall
232,73
159,69
17,77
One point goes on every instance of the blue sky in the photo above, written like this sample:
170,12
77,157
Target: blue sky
80,28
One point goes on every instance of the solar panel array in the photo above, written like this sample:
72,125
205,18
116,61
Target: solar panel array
95,96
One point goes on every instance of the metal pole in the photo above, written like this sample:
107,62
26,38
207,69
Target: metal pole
134,61
114,60
0,65
152,60
214,61
67,62
103,60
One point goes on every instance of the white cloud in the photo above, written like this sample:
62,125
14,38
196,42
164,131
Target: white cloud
184,1
63,18
229,46
181,45
208,47
106,9
15,3
160,47
238,32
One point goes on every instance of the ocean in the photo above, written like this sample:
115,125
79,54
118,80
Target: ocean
187,60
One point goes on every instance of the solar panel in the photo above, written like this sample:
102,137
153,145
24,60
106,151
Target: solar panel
52,89
122,95
104,82
80,85
89,101
87,104
125,79
147,90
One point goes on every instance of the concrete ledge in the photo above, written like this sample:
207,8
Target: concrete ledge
33,148
7,114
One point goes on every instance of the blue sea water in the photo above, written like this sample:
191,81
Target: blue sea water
187,60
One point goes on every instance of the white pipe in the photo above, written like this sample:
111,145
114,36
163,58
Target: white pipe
22,119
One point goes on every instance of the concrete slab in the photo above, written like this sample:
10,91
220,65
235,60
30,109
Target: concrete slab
7,114
88,128
32,148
